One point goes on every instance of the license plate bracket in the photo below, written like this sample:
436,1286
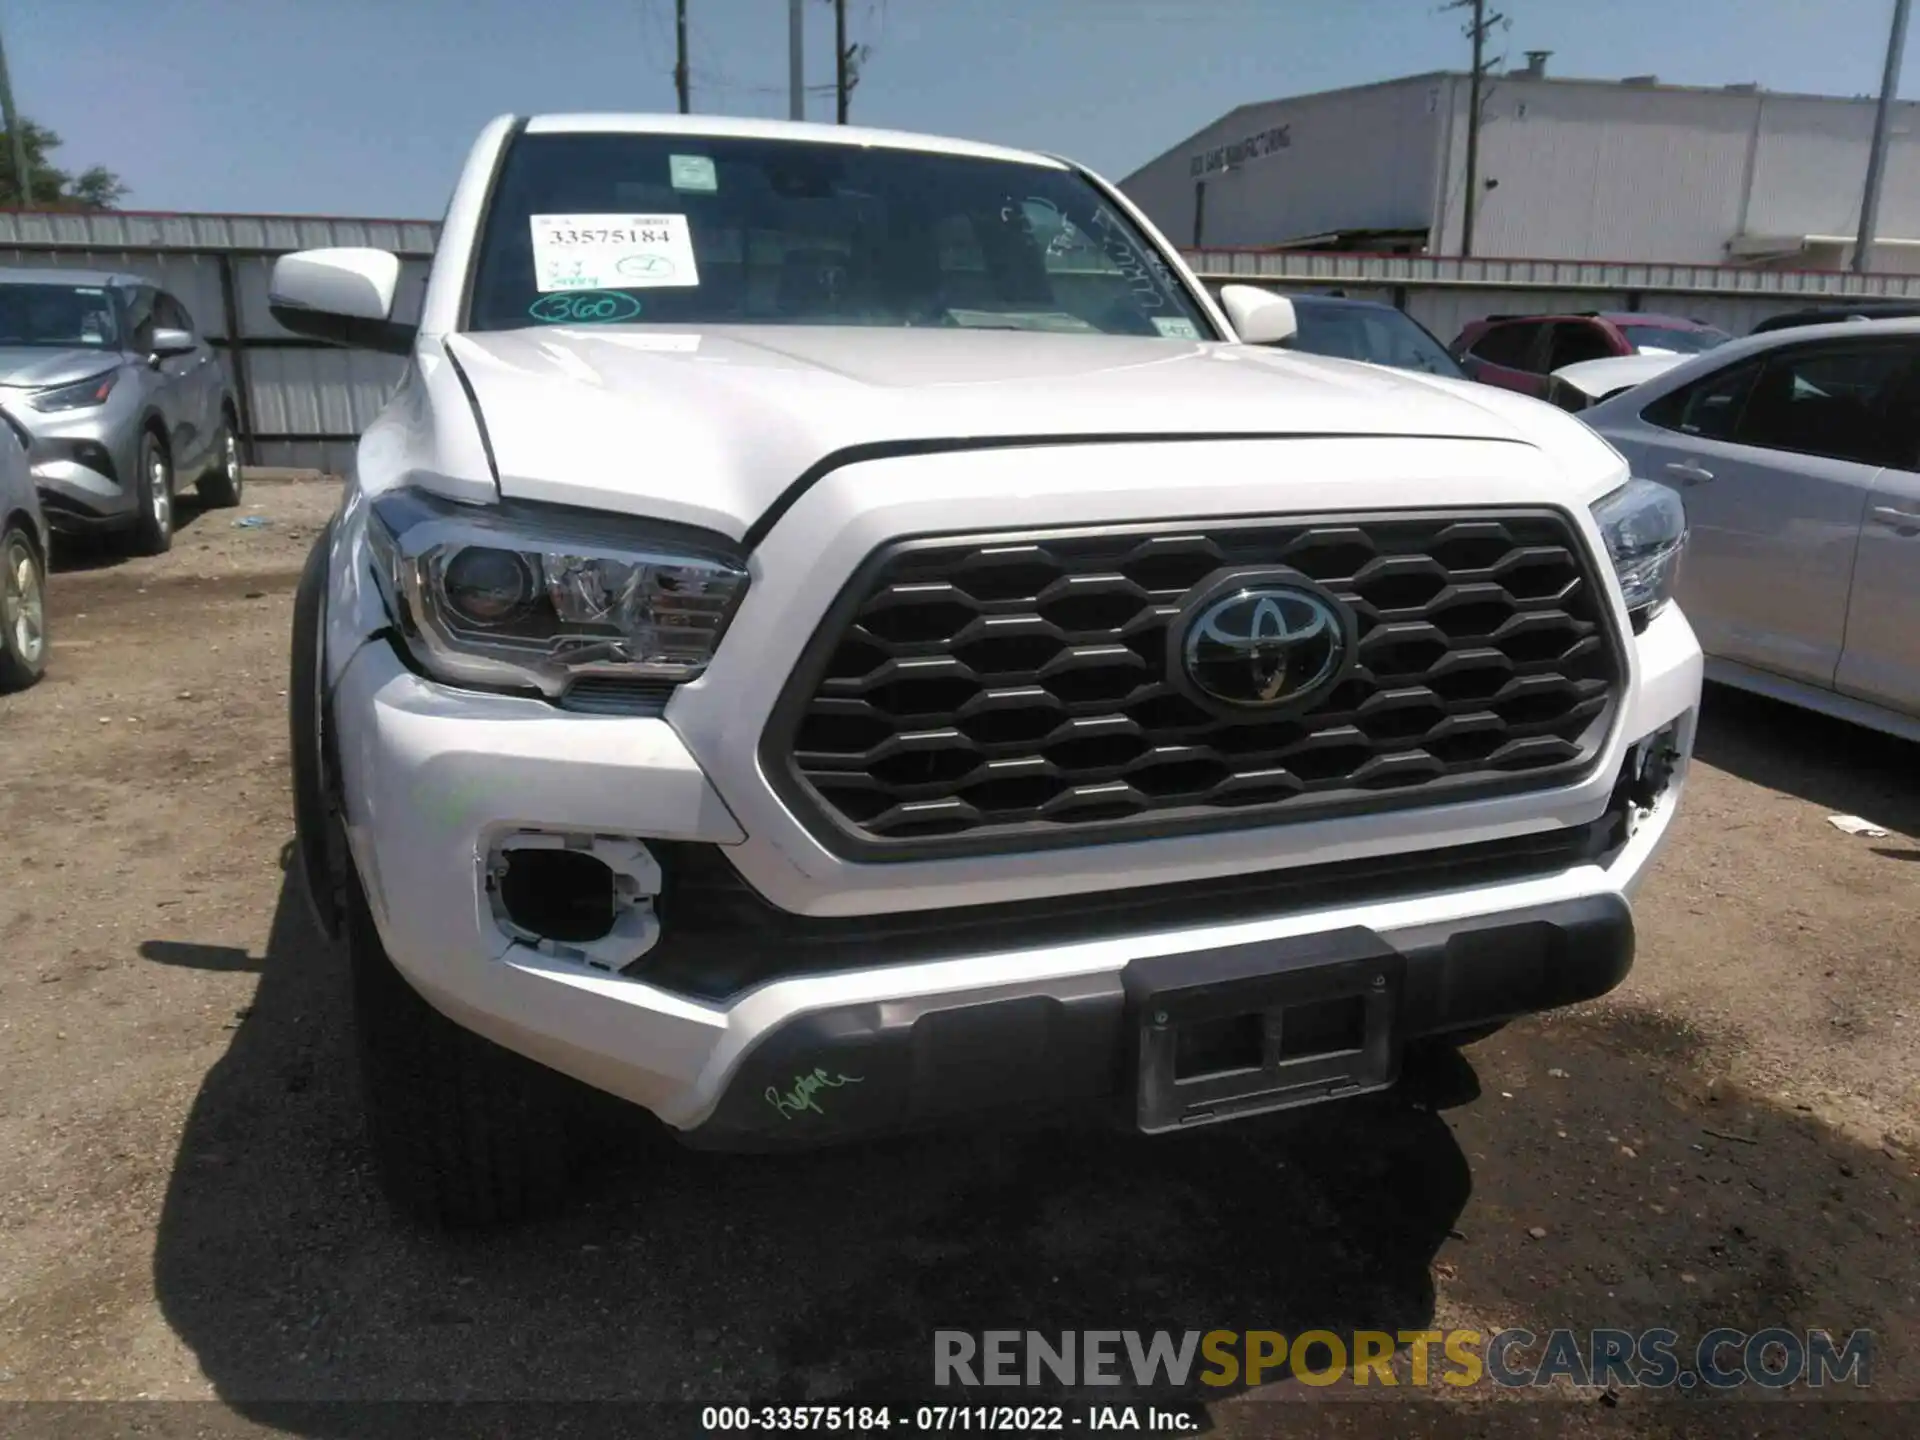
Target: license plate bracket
1271,1025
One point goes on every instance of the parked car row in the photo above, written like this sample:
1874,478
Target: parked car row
1523,352
111,398
1797,451
1798,454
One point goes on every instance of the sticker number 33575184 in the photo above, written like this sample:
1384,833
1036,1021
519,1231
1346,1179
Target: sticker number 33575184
612,252
606,237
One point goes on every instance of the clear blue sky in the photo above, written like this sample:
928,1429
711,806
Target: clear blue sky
366,107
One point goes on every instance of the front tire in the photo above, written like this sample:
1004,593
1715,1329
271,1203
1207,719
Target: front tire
153,492
220,486
464,1133
23,610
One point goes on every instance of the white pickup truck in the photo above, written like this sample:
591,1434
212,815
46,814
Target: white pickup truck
835,632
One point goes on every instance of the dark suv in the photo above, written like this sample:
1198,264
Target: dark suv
1519,352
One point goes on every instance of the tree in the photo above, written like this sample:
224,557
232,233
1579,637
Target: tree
95,188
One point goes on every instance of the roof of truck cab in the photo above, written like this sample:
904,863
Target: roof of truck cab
744,128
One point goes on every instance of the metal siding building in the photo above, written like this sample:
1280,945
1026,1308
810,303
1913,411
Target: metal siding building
1629,171
302,402
1360,159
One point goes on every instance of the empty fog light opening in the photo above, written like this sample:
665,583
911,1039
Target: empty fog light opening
1653,766
584,899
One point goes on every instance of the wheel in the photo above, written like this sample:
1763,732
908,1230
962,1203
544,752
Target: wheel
321,847
153,521
464,1133
23,611
220,486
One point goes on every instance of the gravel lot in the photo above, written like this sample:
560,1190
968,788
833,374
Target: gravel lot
187,1212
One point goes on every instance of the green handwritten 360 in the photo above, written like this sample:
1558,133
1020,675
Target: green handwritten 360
806,1091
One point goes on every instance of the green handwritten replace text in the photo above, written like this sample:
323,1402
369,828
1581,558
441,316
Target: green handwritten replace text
806,1092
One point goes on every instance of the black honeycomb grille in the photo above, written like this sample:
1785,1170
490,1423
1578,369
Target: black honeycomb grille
1004,693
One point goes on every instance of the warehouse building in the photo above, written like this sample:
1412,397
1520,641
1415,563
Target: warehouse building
1628,170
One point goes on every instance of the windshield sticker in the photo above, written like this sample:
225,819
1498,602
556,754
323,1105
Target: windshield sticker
612,252
585,307
1175,328
692,172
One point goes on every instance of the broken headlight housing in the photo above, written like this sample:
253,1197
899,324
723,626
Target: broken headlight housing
516,596
1644,526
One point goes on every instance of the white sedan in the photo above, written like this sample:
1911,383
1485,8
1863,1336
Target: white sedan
1798,454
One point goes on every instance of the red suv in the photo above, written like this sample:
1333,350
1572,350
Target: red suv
1519,352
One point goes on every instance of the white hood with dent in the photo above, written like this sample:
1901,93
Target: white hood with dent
710,427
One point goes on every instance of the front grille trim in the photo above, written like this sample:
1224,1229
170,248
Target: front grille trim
722,939
781,763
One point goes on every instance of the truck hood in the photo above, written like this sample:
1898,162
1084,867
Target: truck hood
711,426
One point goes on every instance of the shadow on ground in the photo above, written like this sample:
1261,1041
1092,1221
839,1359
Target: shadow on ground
104,550
1844,768
1607,1190
686,1275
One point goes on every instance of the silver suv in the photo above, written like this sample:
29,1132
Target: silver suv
122,398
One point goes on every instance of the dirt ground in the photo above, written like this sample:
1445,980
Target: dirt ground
186,1209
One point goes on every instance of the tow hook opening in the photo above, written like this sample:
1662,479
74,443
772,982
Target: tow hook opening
585,899
1651,767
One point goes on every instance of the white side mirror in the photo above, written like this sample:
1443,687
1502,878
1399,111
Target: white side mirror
344,295
1259,317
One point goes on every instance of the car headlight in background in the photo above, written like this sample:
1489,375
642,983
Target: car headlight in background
523,596
1645,529
81,395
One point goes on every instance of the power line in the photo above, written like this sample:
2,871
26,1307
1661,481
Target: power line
1877,152
796,61
842,84
1476,31
680,56
17,136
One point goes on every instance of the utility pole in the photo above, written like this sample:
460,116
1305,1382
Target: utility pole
1877,155
796,67
1477,32
680,61
841,62
16,133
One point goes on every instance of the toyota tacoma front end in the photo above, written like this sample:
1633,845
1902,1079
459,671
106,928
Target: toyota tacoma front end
835,632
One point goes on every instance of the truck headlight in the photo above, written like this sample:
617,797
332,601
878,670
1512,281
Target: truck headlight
1645,529
526,596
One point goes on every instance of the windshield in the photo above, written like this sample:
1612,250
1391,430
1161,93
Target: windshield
1379,336
1671,340
702,230
57,315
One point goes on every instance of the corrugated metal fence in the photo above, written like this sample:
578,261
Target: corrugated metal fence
1444,293
303,403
